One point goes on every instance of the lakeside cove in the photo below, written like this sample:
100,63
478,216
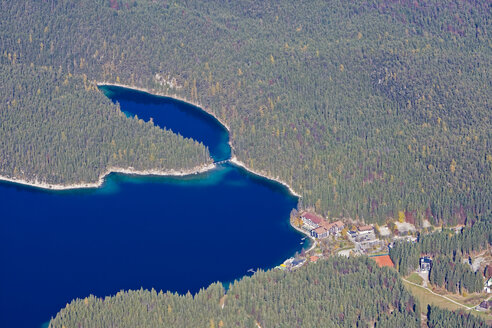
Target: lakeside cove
109,89
168,230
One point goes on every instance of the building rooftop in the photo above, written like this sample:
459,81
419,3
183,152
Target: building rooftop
365,228
425,260
338,223
383,260
313,217
328,225
325,224
298,262
320,230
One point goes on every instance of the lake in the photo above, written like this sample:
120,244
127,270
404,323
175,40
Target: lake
175,115
167,233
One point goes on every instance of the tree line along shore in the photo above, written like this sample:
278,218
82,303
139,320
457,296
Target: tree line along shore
368,110
364,109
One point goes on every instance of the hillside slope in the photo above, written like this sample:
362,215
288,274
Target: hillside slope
332,293
365,108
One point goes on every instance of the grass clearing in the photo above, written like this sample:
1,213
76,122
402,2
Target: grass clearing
415,278
469,300
425,298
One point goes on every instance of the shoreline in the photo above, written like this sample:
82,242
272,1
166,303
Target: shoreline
172,96
128,171
233,158
308,235
161,172
131,171
264,175
175,97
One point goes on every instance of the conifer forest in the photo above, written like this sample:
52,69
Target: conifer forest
368,109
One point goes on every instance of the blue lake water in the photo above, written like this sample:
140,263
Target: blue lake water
168,233
177,116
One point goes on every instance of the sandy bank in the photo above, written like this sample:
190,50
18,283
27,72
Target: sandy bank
168,95
313,245
173,96
262,174
233,157
130,171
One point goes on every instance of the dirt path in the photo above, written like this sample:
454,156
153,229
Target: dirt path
445,297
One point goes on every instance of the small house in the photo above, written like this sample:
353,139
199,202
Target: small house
485,305
488,286
425,264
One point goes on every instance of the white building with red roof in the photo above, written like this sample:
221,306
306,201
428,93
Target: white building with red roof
365,229
319,227
320,232
311,220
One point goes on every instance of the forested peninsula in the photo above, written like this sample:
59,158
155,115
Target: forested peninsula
57,134
364,108
338,292
334,293
369,110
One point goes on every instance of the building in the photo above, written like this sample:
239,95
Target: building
333,228
485,305
311,220
337,227
319,227
320,232
488,286
383,260
365,229
425,264
297,263
324,228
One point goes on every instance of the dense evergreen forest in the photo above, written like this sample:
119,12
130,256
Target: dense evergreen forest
366,108
338,292
56,127
449,251
437,318
55,130
455,276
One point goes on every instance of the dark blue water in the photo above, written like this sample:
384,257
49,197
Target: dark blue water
178,116
166,233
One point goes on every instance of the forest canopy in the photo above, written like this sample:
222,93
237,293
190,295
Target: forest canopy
338,292
450,251
364,108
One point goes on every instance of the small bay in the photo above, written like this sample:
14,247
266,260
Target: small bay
168,233
175,115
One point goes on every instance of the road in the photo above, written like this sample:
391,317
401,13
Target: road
445,297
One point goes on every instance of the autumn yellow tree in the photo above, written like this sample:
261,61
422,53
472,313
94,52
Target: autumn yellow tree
401,216
452,166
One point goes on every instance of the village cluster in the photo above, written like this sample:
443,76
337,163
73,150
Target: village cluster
361,238
344,237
